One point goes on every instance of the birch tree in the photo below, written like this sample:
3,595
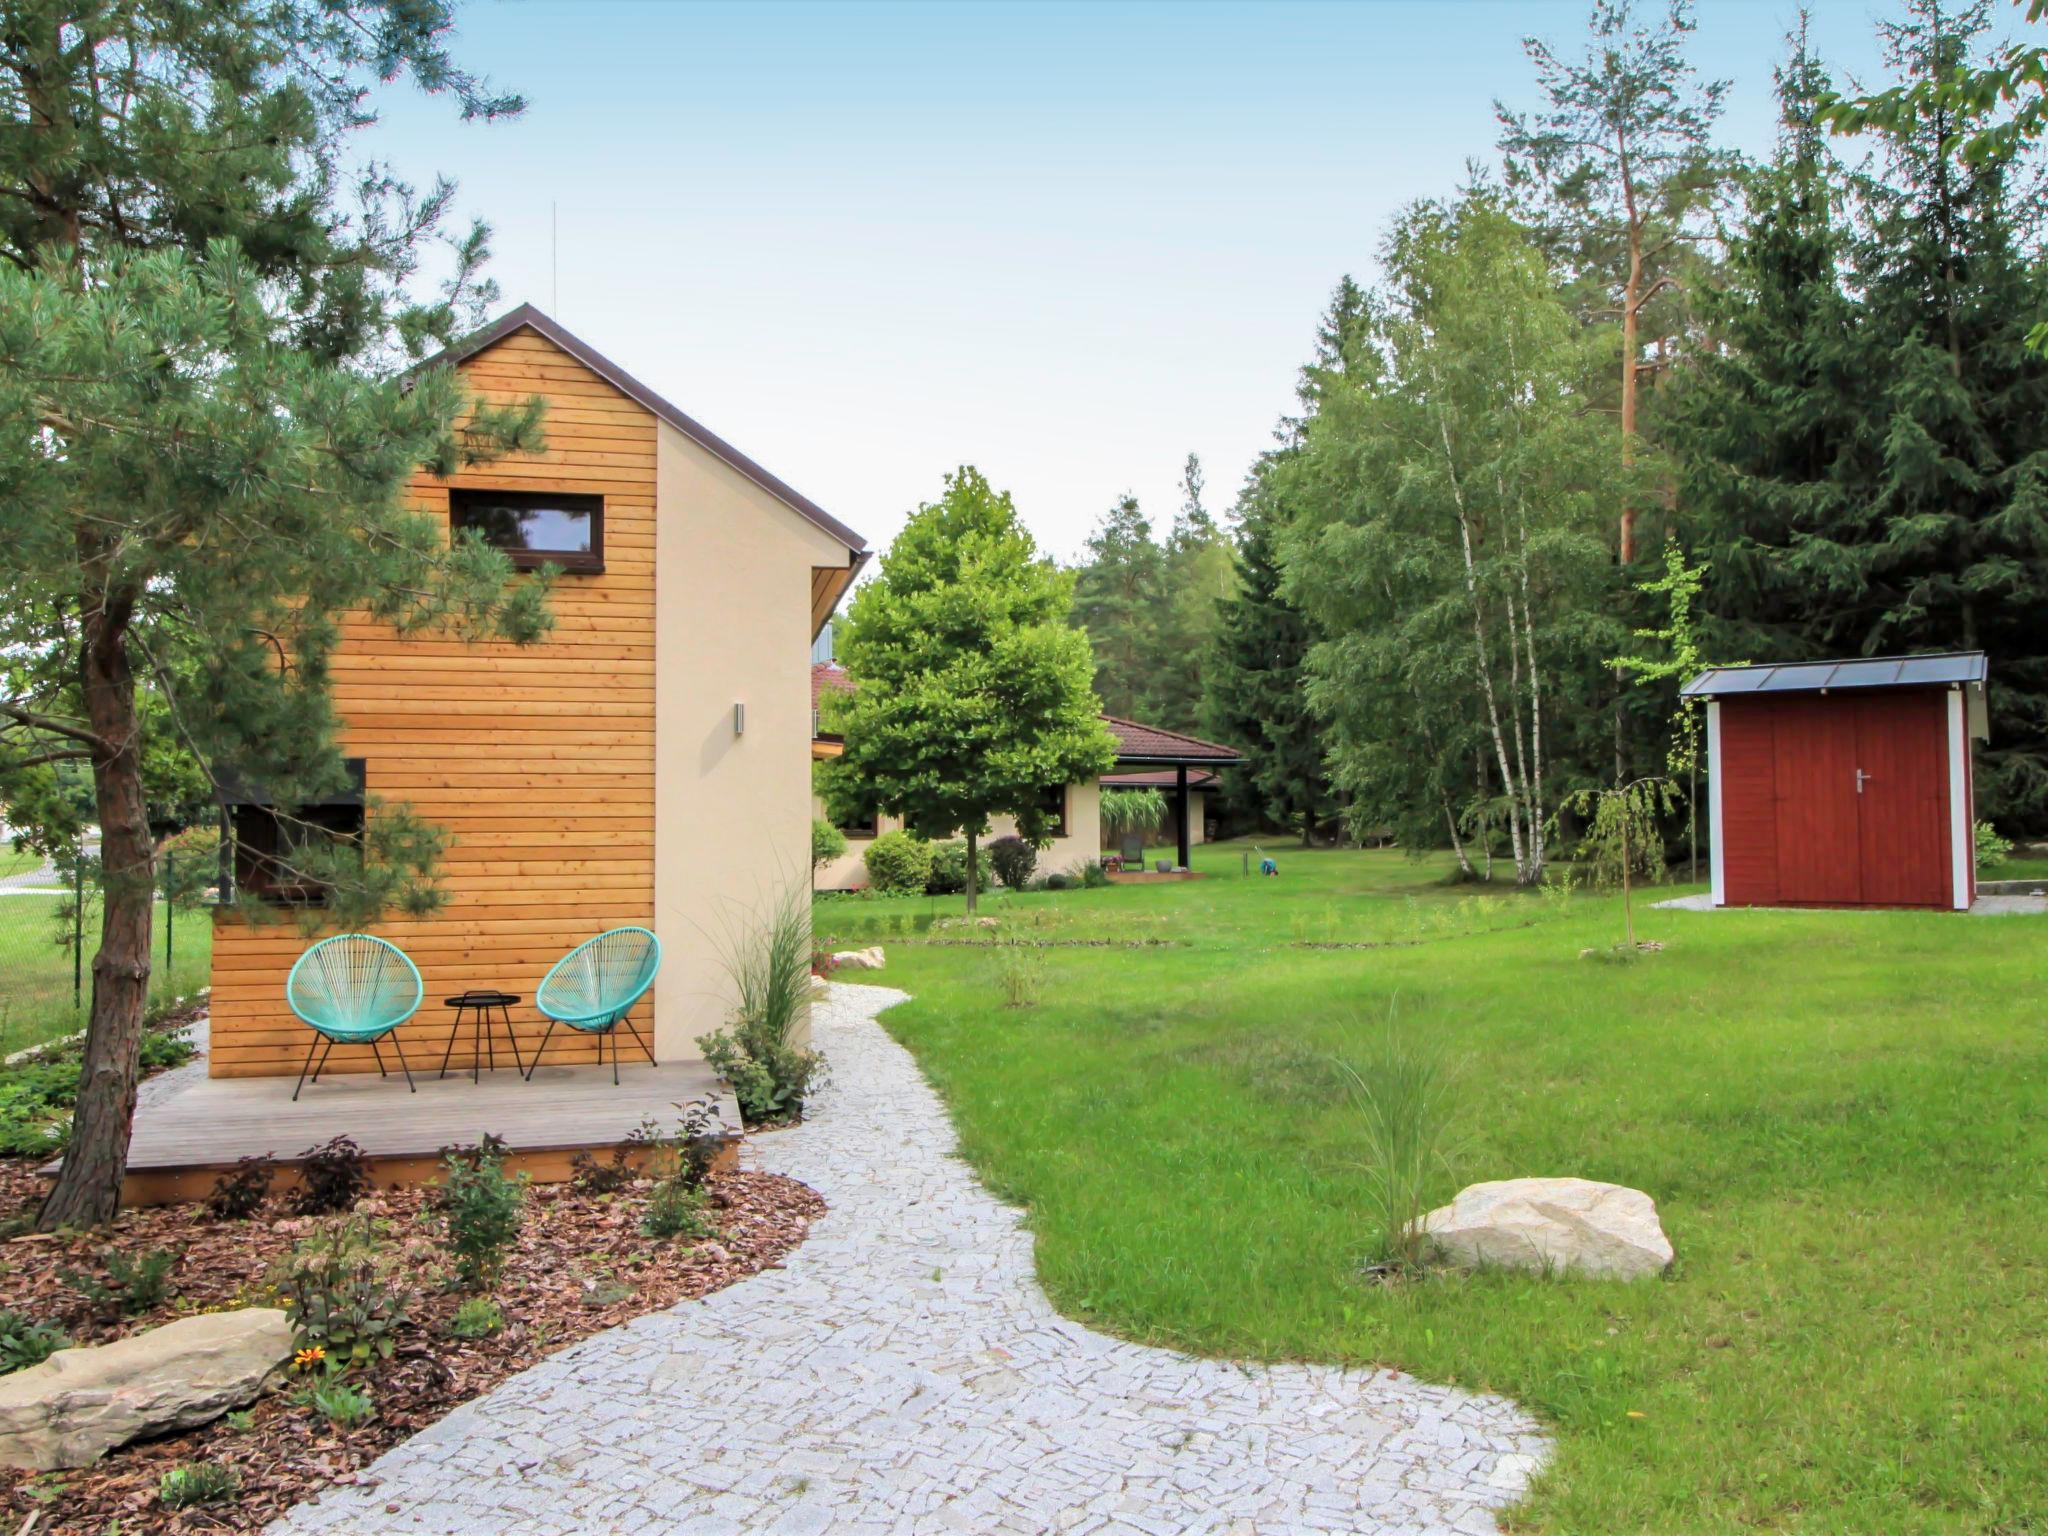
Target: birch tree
1450,546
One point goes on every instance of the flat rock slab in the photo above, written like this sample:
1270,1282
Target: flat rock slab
903,1373
81,1403
1561,1226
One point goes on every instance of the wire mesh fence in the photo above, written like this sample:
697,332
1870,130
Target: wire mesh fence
49,930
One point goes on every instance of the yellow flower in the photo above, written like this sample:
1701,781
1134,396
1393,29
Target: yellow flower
306,1359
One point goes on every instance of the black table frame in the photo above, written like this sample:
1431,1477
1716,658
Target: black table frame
482,1040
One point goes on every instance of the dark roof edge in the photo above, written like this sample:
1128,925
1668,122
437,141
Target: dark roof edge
526,316
1976,670
1218,751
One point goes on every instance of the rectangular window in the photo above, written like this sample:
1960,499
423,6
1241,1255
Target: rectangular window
869,828
1055,803
270,846
535,527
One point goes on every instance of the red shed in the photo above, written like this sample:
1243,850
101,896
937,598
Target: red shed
1844,783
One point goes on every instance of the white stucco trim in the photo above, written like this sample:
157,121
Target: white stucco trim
1714,852
1962,839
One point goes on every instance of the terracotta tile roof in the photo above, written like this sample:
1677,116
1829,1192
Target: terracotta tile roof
828,676
1135,743
1148,743
1159,778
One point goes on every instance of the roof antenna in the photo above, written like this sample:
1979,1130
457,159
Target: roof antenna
554,259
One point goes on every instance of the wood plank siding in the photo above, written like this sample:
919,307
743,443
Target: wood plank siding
538,760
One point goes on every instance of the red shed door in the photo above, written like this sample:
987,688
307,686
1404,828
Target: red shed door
1901,742
1819,834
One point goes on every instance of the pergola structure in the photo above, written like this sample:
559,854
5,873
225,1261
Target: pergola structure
1148,746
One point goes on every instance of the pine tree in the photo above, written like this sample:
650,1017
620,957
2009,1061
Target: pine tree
1620,170
974,694
202,444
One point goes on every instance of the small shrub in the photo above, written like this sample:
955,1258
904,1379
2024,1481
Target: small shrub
239,1193
827,843
141,1283
340,1403
1020,974
25,1342
770,969
477,1318
479,1205
1402,1093
675,1209
1992,850
620,1166
333,1177
1093,875
348,1291
898,864
948,876
200,1482
1014,861
1056,881
137,1284
163,1049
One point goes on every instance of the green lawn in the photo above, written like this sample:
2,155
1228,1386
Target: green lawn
35,971
1843,1118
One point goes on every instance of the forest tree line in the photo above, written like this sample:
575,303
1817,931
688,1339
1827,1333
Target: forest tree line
1631,372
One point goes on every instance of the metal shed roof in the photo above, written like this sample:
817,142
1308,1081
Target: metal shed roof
1936,671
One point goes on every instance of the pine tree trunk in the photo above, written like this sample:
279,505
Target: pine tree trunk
973,842
88,1188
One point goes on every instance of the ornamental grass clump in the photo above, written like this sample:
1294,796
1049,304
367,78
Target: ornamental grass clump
769,966
479,1206
200,1482
1403,1095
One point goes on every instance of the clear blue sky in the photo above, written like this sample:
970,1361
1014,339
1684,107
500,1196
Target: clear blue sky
1068,244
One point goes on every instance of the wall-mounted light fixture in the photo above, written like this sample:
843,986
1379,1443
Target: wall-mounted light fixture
739,719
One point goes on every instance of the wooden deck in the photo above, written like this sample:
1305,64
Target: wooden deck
181,1145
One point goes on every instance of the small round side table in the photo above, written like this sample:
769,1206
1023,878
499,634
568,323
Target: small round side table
479,1004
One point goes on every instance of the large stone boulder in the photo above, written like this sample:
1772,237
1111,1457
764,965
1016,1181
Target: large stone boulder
81,1403
869,959
1559,1226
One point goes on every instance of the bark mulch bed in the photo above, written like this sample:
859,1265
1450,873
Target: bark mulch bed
581,1265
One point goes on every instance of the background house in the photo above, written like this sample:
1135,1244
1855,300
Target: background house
1142,750
643,764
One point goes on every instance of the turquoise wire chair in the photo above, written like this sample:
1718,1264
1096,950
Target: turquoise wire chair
354,989
594,987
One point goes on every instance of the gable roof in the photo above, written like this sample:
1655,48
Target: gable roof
526,317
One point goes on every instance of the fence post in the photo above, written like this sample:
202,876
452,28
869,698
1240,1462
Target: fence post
78,934
170,907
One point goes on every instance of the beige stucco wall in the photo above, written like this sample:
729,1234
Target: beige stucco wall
732,813
1063,855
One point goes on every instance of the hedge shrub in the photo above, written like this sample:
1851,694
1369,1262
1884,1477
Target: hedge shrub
899,864
1014,861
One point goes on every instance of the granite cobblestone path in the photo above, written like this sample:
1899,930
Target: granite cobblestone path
904,1374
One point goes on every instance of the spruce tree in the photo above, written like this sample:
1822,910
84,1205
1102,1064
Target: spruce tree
1118,596
203,441
1760,424
1254,694
1197,574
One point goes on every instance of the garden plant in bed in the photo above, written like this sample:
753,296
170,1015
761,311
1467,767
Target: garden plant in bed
404,1303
